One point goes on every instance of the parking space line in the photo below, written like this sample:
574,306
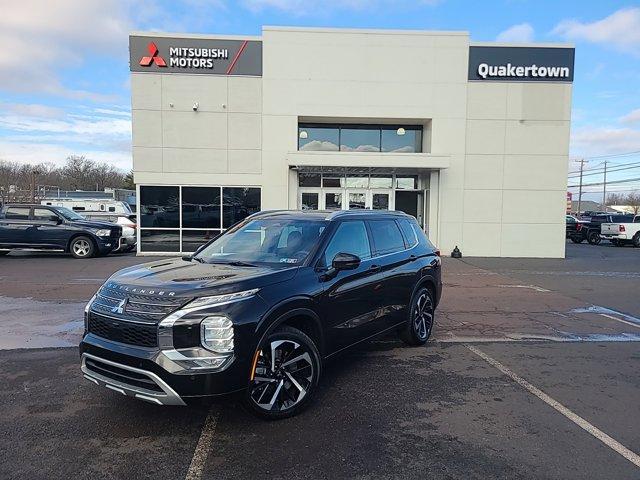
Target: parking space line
201,452
619,320
578,420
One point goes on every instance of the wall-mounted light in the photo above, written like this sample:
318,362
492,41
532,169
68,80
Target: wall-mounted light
195,106
400,131
303,134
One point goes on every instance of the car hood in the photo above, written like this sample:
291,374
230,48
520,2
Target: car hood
179,277
93,224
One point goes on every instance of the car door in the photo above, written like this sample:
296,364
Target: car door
15,227
397,276
49,228
350,304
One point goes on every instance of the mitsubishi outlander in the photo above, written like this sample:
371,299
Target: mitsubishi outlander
258,309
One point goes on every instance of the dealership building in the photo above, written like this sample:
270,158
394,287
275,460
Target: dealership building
471,138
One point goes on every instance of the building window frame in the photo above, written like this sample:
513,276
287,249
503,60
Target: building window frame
362,126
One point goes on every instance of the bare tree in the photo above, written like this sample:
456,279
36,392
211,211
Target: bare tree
615,199
633,200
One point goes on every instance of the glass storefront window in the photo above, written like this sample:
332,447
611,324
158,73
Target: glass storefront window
159,240
159,206
333,181
359,140
333,201
201,207
238,203
381,181
309,179
309,201
318,138
407,182
357,181
192,239
380,201
357,201
401,140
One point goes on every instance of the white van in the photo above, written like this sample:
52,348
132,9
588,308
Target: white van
90,205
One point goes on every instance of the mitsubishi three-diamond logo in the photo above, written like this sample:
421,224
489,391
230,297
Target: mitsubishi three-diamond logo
120,307
154,57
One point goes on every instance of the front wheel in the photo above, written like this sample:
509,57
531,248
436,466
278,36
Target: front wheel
594,238
82,247
636,240
284,375
420,322
3,252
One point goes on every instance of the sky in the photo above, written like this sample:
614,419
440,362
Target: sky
65,86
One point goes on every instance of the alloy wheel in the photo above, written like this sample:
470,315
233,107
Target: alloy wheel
81,248
423,316
282,376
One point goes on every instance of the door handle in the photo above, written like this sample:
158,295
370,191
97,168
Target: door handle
374,268
412,258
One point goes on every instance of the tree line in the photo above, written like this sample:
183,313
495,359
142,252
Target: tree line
631,199
78,173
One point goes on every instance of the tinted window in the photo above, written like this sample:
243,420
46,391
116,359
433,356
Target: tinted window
386,236
350,237
313,138
192,239
159,206
17,213
159,241
201,207
44,215
621,218
409,232
309,179
360,140
401,140
238,204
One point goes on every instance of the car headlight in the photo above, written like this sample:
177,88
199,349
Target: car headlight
216,334
103,232
220,299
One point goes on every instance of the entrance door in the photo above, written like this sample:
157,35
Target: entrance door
332,199
309,199
357,199
382,199
411,202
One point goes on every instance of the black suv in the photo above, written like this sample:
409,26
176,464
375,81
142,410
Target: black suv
55,228
259,308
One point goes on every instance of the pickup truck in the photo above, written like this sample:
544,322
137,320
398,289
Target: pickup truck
620,233
590,230
55,228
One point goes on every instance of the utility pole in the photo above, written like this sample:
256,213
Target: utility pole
582,162
604,191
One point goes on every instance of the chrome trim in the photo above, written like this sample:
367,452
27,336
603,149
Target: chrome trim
128,310
121,319
168,397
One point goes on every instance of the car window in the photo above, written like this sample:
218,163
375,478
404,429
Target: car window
620,218
17,213
408,229
350,237
44,215
571,219
386,236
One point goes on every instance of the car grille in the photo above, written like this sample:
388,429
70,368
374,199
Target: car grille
123,331
122,375
136,306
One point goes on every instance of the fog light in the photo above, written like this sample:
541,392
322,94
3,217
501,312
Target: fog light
216,334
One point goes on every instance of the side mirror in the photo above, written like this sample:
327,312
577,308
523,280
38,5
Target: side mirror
57,220
345,261
187,258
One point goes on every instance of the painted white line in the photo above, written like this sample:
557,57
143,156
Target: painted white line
578,420
530,287
202,448
619,320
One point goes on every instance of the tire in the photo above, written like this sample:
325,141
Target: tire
577,239
287,389
4,252
593,238
420,320
82,247
615,242
636,240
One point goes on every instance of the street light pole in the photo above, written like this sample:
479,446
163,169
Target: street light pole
582,162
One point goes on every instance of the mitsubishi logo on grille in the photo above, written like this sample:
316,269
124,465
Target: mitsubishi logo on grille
120,307
154,57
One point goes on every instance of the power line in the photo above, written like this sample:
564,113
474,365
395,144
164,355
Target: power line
608,170
614,155
602,183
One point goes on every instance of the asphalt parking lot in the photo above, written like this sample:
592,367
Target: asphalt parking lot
533,373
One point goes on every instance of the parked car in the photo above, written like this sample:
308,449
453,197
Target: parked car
55,228
90,205
621,233
258,309
574,229
129,237
591,229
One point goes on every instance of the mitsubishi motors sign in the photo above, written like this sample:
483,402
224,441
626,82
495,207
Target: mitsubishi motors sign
195,55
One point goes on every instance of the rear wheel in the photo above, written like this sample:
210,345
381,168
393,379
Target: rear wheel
82,247
3,252
284,375
420,322
594,238
577,239
636,240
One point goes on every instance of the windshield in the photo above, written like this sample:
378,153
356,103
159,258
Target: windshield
68,214
272,241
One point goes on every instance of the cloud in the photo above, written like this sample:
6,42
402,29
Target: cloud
40,38
31,110
631,117
520,33
620,30
596,140
307,7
